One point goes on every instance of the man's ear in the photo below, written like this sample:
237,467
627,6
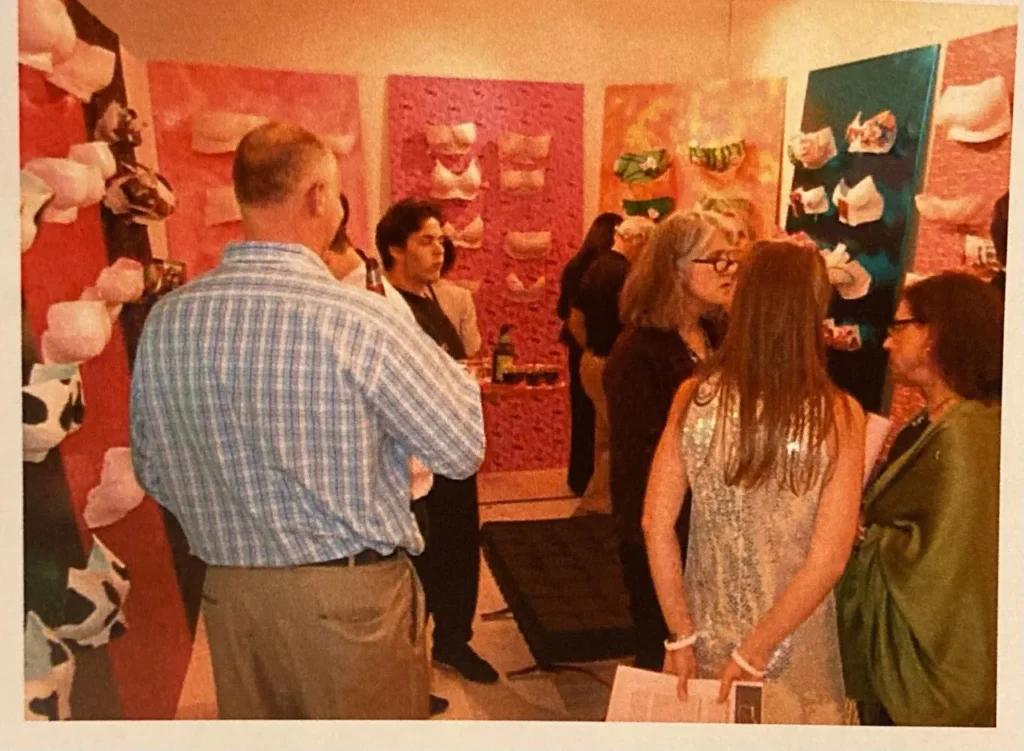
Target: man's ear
316,198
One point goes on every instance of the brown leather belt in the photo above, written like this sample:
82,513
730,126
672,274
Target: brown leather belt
361,558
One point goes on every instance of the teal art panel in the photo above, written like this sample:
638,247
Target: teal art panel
903,83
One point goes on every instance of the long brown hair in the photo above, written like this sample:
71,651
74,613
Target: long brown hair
771,369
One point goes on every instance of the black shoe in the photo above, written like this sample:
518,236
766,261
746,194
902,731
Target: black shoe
438,704
467,663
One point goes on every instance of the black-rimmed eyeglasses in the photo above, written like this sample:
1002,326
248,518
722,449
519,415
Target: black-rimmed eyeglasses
899,322
721,264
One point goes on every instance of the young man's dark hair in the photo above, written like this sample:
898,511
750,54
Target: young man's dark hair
401,220
999,230
449,255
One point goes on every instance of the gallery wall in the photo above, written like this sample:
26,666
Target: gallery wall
513,40
522,42
552,41
793,37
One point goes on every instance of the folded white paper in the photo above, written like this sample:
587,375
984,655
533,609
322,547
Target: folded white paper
646,696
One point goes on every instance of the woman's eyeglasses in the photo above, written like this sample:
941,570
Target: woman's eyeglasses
897,323
722,264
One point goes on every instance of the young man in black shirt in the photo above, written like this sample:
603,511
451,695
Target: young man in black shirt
409,239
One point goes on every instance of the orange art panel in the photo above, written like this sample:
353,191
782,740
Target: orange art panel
735,129
638,119
725,113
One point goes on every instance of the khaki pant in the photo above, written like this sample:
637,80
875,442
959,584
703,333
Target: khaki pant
597,498
318,642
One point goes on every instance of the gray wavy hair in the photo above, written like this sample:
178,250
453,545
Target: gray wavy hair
652,296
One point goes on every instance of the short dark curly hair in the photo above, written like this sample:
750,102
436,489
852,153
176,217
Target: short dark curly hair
965,318
401,220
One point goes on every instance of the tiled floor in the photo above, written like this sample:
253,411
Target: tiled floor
566,695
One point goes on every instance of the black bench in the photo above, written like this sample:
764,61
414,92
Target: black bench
562,580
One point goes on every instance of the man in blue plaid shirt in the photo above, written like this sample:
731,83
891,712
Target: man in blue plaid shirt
273,412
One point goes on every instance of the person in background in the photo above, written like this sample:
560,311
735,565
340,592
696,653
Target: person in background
409,240
599,240
999,230
272,412
594,322
457,303
774,454
669,305
350,265
917,604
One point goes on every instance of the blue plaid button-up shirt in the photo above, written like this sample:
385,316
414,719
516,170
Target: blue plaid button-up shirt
274,410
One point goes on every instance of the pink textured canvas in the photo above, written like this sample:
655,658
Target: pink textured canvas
528,188
957,170
327,104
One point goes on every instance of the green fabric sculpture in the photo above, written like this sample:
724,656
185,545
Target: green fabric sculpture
720,158
653,208
641,166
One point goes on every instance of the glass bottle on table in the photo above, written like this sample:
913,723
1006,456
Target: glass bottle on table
374,283
504,354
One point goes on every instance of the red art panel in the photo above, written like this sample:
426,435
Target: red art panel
327,104
151,659
956,170
712,117
523,433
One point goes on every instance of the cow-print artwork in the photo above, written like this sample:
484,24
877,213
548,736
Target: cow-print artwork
48,706
45,707
94,609
58,653
34,410
74,411
52,406
49,673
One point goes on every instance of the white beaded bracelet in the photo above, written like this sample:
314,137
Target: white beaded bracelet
747,667
674,646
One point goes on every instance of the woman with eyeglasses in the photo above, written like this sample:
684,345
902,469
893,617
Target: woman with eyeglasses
917,604
670,306
773,453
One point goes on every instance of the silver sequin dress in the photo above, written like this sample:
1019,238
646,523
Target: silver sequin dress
744,548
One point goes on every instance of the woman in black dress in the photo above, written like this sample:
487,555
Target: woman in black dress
599,240
673,307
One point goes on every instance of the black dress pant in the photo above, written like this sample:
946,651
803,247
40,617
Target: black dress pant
581,411
648,622
449,567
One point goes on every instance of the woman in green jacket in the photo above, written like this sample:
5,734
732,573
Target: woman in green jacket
917,603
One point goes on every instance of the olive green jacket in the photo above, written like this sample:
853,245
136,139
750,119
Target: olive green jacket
917,603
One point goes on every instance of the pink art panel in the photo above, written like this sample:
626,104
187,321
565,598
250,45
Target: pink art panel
958,169
523,433
325,103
